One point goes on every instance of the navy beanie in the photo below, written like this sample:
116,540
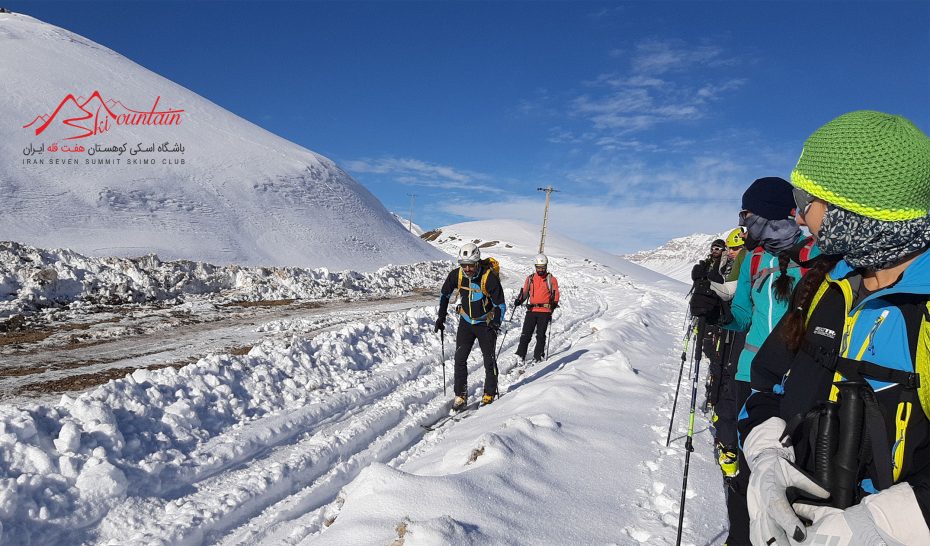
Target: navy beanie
770,198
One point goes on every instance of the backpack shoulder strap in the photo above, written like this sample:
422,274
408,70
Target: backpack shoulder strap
755,261
484,282
922,361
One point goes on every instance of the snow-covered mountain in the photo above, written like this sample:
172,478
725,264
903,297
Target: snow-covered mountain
676,257
105,157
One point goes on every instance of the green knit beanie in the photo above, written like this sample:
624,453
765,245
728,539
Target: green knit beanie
870,163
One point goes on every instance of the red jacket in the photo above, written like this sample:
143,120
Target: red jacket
536,291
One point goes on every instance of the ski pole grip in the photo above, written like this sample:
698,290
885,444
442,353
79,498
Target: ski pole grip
825,445
846,461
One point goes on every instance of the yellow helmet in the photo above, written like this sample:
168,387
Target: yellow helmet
735,238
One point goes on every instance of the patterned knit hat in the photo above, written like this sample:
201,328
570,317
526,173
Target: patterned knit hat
870,163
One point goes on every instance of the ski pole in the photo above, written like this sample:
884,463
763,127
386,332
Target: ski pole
442,339
549,337
681,369
689,443
504,337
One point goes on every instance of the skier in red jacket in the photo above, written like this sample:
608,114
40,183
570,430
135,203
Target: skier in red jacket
541,293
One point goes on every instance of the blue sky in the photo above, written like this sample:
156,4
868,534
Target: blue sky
651,117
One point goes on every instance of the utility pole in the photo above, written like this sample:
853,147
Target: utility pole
542,238
413,198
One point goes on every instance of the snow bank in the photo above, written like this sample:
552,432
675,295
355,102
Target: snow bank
63,467
33,278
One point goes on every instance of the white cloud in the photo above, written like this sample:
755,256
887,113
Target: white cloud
415,172
667,81
658,57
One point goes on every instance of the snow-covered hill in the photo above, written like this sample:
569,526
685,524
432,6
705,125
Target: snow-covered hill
321,441
501,237
676,257
408,225
105,157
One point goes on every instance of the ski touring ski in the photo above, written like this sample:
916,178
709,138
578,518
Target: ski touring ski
453,416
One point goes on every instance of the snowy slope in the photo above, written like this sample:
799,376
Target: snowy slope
320,441
242,194
676,257
502,236
408,225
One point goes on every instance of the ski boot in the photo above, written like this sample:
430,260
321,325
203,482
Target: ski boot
487,399
728,460
459,403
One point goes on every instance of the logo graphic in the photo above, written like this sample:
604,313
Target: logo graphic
94,116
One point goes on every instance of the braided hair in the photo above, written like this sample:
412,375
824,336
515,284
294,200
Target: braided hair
795,321
784,283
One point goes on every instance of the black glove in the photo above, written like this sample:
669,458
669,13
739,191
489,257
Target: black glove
517,302
441,323
553,305
495,326
707,305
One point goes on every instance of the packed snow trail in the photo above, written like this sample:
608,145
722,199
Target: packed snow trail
320,441
374,422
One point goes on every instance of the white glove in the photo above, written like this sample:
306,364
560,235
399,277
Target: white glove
772,472
889,518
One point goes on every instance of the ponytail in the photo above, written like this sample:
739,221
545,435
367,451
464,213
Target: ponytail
796,317
784,283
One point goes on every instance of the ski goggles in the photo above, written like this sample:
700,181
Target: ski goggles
802,201
744,217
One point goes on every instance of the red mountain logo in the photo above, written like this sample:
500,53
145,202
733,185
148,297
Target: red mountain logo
94,115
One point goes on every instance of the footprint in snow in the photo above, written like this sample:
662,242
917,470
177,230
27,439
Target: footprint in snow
639,535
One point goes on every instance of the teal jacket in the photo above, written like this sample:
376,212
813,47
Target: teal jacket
755,308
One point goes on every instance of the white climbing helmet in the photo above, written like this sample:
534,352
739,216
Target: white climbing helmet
541,260
469,254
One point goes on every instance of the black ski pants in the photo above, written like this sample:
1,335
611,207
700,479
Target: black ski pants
729,403
464,341
737,508
539,321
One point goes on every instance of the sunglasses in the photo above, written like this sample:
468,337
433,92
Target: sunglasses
717,248
802,200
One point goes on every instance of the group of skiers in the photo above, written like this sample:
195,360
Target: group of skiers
481,311
820,343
